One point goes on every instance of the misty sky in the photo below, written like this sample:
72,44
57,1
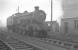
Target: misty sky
9,7
70,8
61,8
66,8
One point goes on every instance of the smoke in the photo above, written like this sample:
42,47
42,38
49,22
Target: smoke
57,10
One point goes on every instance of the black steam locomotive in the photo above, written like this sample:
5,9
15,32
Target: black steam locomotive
29,23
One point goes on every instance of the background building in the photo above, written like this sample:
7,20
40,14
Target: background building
54,26
69,25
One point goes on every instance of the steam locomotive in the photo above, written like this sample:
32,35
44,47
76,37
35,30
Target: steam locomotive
29,23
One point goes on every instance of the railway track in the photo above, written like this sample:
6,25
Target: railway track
62,44
16,44
4,46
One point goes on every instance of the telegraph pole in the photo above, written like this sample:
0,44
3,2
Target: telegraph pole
51,10
18,6
18,9
51,24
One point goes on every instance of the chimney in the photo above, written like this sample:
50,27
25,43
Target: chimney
36,8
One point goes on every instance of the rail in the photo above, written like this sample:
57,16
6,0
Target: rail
59,43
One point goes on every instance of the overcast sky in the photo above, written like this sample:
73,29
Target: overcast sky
9,7
70,8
